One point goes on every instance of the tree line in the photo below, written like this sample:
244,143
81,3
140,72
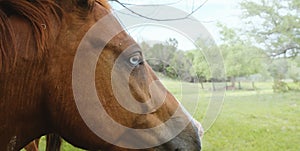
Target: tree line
269,46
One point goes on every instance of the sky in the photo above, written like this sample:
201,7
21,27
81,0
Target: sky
212,12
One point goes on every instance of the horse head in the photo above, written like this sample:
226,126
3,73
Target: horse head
96,89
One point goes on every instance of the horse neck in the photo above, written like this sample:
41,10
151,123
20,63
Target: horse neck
22,90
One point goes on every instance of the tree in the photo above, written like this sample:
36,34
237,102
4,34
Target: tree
167,59
182,65
274,25
159,55
240,56
294,69
279,69
200,68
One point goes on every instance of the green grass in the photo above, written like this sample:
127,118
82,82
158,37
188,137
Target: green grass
257,120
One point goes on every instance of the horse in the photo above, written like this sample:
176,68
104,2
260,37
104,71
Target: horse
46,85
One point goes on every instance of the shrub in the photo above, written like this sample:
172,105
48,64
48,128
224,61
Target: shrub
280,86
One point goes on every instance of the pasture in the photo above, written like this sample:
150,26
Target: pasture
257,120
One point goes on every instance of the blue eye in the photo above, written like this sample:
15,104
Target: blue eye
135,60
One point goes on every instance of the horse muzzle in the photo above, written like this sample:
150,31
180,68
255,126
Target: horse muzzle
188,140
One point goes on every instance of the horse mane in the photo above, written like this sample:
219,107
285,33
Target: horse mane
38,18
34,12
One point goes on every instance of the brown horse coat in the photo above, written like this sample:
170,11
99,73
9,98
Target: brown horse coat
39,40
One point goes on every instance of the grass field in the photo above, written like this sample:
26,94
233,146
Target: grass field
257,120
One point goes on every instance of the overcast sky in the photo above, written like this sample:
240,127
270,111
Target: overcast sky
224,11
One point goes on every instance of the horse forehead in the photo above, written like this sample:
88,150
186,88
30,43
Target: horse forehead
124,41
